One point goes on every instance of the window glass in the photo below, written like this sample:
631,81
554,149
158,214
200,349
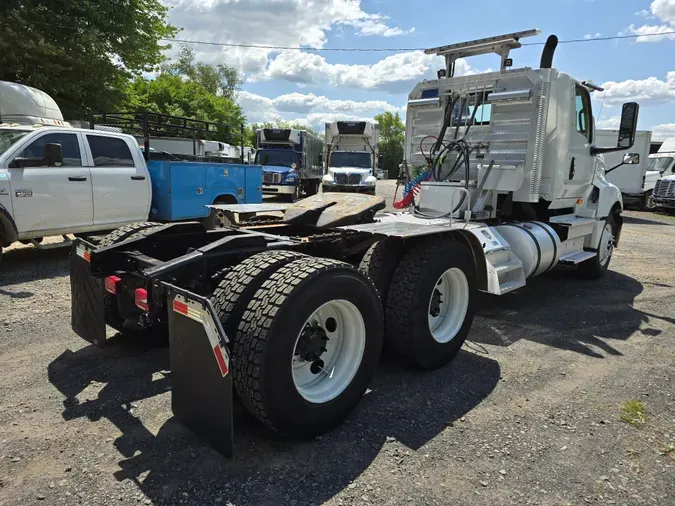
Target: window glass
69,147
110,151
582,112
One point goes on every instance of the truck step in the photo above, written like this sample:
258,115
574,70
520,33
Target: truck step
576,226
509,286
508,267
66,242
576,257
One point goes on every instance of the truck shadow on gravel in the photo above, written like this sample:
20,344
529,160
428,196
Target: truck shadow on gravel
565,312
410,407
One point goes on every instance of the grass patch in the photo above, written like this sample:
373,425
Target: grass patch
668,450
633,412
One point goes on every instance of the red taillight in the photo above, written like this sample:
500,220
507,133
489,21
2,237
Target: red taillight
111,284
141,299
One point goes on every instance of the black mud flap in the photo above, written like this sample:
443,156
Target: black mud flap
87,296
201,381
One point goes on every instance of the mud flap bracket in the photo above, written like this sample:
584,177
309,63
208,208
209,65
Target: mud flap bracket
201,381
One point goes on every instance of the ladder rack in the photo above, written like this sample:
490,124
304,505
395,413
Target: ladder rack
499,44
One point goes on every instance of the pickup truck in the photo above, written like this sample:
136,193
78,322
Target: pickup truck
58,180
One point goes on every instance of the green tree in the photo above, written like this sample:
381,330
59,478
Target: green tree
193,89
221,80
392,137
82,53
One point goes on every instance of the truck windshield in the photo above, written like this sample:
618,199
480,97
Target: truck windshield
660,163
9,137
276,157
343,159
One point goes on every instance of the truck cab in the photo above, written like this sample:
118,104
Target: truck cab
663,162
351,156
291,161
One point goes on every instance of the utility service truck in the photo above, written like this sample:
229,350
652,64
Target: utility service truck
351,156
635,180
663,162
291,312
58,180
291,161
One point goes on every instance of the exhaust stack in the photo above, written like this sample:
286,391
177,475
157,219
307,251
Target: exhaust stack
547,53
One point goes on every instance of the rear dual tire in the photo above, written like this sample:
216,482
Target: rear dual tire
307,345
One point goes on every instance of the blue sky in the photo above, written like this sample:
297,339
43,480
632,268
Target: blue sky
315,87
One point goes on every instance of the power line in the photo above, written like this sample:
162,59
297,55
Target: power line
397,49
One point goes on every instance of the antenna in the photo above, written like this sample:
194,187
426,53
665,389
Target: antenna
499,44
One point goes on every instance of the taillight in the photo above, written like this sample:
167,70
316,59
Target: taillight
141,299
111,284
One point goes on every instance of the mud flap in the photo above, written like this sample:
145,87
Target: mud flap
87,296
201,381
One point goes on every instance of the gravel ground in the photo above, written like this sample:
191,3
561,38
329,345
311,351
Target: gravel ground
528,413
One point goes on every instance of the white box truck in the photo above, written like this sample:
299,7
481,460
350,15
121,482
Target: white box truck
351,156
635,180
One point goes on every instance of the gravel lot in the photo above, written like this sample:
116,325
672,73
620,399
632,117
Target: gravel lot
528,413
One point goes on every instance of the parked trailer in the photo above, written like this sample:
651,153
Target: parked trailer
291,312
634,179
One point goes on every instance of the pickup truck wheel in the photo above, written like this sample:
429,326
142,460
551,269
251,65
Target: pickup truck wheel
430,304
596,267
218,219
308,346
238,285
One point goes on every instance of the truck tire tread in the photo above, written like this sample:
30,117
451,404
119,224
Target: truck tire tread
238,285
403,301
126,232
255,329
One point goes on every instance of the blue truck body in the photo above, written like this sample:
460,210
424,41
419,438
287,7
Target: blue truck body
181,190
291,161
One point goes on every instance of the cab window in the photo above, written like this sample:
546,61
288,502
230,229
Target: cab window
582,101
69,147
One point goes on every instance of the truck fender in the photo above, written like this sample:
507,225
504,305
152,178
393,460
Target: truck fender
476,249
8,231
609,202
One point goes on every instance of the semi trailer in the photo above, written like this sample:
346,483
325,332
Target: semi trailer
291,161
352,156
291,313
635,180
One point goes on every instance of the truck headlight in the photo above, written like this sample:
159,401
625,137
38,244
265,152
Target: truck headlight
328,179
370,180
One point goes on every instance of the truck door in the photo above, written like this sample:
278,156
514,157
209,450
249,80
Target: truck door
52,199
120,180
580,168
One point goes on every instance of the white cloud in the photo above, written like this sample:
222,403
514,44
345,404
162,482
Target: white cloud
290,23
662,10
309,109
661,132
609,123
396,73
645,91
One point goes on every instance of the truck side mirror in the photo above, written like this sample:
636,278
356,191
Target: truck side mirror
631,158
628,125
320,159
53,155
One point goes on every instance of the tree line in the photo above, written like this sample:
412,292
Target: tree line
108,56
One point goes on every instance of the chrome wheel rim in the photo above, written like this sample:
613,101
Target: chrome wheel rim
448,305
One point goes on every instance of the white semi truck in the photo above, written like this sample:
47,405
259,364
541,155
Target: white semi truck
291,313
663,162
352,156
635,180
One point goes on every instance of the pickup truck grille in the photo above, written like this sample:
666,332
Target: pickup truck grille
271,177
347,179
664,188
